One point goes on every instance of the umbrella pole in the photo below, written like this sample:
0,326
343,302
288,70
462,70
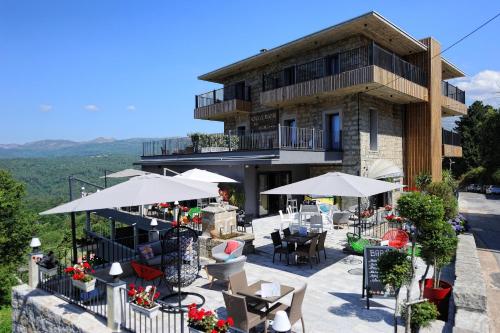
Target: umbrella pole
359,216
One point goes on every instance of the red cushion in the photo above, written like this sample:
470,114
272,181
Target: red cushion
231,246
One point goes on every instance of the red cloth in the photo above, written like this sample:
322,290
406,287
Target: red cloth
397,238
145,272
231,246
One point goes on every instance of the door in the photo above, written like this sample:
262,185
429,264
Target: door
334,132
271,204
289,138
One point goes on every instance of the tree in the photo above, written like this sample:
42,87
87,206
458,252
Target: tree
490,141
16,229
444,191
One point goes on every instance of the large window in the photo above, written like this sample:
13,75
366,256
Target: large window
334,132
373,129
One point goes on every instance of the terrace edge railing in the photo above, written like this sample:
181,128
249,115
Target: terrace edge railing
337,63
229,92
284,137
451,91
451,138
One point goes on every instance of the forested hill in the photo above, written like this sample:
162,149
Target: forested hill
56,148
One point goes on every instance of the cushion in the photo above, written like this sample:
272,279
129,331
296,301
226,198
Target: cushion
231,246
230,257
145,251
220,256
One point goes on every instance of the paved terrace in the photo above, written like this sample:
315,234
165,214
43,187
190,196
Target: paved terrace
333,298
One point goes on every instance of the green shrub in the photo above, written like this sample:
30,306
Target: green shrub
450,180
495,177
422,314
394,269
420,208
422,180
444,191
475,175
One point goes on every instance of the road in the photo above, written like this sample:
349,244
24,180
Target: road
483,214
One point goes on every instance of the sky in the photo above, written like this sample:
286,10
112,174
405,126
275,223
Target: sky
79,70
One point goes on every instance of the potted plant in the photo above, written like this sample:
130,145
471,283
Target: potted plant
388,209
201,321
422,314
366,215
439,243
395,271
142,300
80,276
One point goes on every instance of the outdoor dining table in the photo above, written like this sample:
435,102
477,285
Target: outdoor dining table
299,239
252,291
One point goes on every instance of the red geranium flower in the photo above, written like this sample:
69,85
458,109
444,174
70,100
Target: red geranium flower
185,209
220,323
230,321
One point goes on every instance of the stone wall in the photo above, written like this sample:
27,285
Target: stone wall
35,311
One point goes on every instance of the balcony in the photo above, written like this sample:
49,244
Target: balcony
453,101
451,144
282,145
217,104
344,73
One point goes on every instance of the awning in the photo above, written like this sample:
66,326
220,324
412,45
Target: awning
381,169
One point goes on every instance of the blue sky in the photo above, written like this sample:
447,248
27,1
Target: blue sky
82,69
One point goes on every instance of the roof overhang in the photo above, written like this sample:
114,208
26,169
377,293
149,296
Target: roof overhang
372,25
450,71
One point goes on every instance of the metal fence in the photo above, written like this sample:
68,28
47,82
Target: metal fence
343,62
449,90
235,91
451,138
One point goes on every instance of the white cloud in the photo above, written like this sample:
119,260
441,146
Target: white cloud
484,86
45,107
91,107
131,108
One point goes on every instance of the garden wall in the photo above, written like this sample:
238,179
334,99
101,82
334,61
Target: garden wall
36,311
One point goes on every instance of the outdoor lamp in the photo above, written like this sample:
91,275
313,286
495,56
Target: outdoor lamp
115,271
281,323
35,244
176,210
154,223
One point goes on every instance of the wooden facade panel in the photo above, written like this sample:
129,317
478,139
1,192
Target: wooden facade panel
417,142
453,107
452,151
219,111
389,86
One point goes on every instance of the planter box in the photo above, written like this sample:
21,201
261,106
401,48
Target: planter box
48,271
149,313
194,330
84,286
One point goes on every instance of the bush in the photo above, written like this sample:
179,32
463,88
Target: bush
495,177
450,180
423,180
475,175
445,192
420,208
394,269
422,314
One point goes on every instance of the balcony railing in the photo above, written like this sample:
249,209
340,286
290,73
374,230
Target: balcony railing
288,138
451,138
227,93
343,62
449,90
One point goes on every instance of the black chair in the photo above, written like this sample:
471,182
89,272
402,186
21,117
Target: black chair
244,221
286,232
278,246
308,250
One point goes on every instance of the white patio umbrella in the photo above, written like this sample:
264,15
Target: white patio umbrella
127,173
337,184
141,190
205,176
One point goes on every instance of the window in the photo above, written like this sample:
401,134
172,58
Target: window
373,129
334,131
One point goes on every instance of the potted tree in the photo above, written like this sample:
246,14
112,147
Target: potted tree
80,276
142,300
439,244
395,271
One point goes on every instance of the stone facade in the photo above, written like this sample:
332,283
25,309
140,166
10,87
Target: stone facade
35,311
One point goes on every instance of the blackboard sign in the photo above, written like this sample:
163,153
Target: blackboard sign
371,280
264,121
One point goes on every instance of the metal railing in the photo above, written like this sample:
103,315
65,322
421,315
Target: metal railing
235,91
343,62
168,146
449,90
451,138
290,138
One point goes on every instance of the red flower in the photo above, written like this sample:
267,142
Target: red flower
86,265
131,293
214,331
230,321
140,289
174,224
139,301
221,323
69,270
185,209
157,294
131,286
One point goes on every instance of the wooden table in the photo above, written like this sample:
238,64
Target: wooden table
252,289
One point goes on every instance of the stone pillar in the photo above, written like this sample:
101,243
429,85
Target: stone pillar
114,304
33,269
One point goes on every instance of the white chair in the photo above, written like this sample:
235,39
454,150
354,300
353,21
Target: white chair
283,218
316,223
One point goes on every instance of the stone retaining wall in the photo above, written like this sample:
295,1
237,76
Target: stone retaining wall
35,311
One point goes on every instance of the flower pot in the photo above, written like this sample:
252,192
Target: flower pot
438,296
48,271
84,286
148,312
194,330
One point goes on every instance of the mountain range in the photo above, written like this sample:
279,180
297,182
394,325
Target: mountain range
55,148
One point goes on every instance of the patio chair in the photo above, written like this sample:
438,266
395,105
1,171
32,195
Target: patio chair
278,247
244,320
316,223
223,252
294,311
286,232
397,238
244,221
223,270
285,219
308,250
321,244
339,219
238,282
356,243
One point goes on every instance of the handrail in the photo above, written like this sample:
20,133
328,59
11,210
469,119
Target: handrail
451,91
451,138
234,91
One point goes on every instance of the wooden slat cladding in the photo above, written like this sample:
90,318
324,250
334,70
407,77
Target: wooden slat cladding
219,111
453,107
417,142
452,151
358,80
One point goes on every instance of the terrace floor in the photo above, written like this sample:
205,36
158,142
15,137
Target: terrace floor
333,300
